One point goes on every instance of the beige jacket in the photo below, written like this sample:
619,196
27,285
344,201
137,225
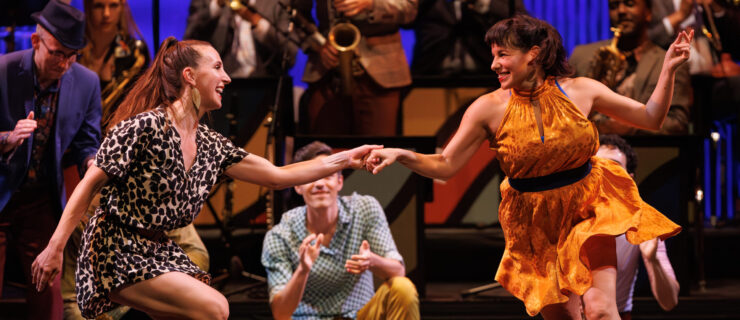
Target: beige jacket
382,56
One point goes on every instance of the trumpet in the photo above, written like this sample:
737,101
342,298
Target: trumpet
344,37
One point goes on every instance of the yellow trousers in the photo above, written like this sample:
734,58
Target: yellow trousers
395,299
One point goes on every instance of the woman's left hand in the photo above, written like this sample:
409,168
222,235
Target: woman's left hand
679,50
356,156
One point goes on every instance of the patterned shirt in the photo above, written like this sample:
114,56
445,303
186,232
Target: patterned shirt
330,290
45,103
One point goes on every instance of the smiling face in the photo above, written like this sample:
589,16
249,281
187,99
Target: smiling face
632,16
105,15
210,78
511,65
322,193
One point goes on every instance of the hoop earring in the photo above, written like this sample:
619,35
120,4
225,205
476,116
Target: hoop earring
195,97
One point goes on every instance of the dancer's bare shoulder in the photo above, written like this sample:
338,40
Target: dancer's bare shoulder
488,109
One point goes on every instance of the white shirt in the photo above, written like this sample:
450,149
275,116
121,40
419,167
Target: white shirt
628,262
241,61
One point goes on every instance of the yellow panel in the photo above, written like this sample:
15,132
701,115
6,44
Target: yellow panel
245,194
651,158
426,109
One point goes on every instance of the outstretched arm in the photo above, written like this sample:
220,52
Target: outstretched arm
468,138
49,262
660,272
650,115
258,170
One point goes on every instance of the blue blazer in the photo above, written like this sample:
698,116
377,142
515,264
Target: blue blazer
77,124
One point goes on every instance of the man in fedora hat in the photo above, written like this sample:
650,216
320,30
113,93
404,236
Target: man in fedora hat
49,105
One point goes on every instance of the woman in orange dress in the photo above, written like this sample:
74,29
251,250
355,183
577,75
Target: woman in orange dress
561,207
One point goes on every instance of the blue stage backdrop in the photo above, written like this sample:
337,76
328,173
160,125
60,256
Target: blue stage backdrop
579,21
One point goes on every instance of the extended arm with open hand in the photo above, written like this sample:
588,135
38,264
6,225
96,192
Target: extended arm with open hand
49,262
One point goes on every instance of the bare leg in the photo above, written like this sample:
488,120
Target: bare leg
570,310
174,295
600,301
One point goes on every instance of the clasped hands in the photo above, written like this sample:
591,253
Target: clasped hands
373,158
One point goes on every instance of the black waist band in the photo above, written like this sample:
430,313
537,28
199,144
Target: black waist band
551,181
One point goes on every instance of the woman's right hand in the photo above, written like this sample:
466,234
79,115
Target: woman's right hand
46,267
381,158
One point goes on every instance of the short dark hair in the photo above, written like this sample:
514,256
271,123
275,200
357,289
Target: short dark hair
621,144
311,150
648,4
524,32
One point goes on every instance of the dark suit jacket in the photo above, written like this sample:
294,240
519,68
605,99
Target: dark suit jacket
657,31
436,29
646,77
76,127
219,32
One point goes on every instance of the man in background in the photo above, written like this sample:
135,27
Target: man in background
637,75
663,281
49,104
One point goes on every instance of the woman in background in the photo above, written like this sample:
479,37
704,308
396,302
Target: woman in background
115,50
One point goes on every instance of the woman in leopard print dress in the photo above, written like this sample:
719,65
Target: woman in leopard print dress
155,169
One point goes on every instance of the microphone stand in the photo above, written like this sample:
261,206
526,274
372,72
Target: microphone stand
236,266
493,285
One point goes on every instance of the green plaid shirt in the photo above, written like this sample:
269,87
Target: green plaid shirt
330,290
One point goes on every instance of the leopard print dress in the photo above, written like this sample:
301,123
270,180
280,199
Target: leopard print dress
149,191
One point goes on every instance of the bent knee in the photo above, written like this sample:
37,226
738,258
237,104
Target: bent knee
403,289
214,307
598,309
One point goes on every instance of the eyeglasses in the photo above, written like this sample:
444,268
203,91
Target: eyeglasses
614,4
60,55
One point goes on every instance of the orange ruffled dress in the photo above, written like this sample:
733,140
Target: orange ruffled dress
546,230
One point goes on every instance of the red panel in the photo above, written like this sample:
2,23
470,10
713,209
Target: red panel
448,194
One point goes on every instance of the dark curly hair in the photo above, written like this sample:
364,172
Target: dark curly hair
524,32
617,141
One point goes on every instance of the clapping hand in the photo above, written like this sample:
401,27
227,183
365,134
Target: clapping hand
360,262
310,252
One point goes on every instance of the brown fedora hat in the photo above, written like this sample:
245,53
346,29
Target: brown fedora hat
64,22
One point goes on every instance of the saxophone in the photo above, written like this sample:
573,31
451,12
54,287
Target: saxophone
344,37
608,62
111,94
